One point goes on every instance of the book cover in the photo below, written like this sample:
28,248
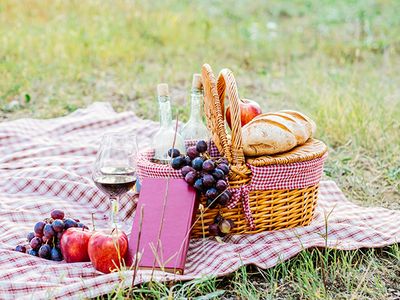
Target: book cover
161,228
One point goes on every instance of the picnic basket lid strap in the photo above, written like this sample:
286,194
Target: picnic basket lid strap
214,112
226,84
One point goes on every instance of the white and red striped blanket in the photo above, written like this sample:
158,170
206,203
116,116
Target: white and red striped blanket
46,164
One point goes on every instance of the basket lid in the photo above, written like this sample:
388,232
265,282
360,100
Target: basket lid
312,149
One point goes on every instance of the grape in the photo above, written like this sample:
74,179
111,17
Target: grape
30,236
208,180
225,226
56,254
197,163
190,177
201,146
231,222
57,214
58,225
208,165
224,168
188,161
211,193
32,252
44,251
178,162
223,160
20,248
36,243
198,184
48,231
218,174
68,223
192,152
213,229
173,152
47,240
49,220
218,218
38,228
211,203
186,169
221,185
224,198
81,225
59,235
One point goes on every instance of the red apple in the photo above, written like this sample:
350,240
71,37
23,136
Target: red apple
104,249
74,244
249,109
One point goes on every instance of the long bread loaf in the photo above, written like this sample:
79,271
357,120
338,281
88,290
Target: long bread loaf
273,133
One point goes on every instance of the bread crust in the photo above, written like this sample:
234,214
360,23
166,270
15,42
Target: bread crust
272,133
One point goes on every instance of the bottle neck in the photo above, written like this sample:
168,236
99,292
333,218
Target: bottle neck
196,103
165,111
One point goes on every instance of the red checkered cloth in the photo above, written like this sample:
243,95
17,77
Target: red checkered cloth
288,176
212,148
273,177
148,169
46,164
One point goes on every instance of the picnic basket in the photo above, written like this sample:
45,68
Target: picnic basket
270,192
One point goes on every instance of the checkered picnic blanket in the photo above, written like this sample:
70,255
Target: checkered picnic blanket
46,164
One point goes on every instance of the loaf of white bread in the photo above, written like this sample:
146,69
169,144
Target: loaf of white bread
278,132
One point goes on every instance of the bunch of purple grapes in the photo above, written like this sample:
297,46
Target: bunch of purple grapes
221,226
45,239
208,176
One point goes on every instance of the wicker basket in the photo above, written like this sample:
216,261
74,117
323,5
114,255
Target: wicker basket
290,202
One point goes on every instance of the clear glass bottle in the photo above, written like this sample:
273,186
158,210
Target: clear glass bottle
195,129
163,140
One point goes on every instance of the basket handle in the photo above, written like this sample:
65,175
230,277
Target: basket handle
214,112
227,84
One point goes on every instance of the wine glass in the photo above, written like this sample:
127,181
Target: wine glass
114,170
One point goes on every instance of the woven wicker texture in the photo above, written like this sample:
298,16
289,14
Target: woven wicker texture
271,209
214,112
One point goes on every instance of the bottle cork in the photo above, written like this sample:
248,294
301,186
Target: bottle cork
197,82
162,89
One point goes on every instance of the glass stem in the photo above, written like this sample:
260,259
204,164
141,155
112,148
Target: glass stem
114,212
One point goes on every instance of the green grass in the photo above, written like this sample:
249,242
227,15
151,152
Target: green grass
313,274
338,61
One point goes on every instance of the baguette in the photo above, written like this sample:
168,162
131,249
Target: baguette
273,133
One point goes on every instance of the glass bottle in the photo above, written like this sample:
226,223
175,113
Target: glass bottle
195,129
163,140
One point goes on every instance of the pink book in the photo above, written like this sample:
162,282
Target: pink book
162,246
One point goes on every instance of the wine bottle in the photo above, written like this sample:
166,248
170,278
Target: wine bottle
195,129
163,140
